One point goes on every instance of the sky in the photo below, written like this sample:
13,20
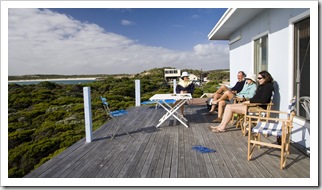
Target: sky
113,41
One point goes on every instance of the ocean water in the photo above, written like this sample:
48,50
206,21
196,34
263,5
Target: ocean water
55,81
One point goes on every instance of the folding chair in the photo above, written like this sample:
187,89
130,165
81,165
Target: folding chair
115,115
253,109
268,126
238,117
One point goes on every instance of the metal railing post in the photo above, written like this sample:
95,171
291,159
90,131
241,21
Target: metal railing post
174,85
88,113
137,93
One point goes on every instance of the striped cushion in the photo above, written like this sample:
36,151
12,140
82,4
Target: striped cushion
263,114
268,128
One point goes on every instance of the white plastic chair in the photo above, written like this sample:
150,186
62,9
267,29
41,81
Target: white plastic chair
305,103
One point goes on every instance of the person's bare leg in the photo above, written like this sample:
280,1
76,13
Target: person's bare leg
221,106
226,96
222,89
229,110
215,98
182,109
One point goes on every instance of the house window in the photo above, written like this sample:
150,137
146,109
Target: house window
302,67
261,54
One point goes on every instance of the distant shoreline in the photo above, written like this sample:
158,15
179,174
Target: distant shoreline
57,79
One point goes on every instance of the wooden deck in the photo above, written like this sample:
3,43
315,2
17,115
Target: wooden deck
166,152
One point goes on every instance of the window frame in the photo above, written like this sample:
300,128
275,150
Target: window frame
258,52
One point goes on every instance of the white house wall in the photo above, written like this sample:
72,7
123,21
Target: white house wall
275,23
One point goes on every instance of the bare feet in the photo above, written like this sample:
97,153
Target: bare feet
212,127
213,107
216,130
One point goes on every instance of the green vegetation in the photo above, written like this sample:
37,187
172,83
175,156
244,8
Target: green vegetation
47,118
38,77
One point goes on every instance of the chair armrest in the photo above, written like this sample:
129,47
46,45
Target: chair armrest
238,100
267,118
272,111
257,104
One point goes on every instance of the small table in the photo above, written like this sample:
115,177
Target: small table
181,99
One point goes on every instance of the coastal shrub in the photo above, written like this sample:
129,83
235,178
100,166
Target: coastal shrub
48,85
12,127
18,137
197,93
21,103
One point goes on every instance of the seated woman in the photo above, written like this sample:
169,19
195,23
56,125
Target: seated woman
185,86
247,92
263,95
234,90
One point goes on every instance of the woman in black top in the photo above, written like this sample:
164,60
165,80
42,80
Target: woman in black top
263,95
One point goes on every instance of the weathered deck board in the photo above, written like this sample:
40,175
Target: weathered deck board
166,152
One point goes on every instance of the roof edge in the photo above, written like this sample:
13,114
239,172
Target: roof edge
222,21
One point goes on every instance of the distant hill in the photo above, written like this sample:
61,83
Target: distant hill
44,76
101,76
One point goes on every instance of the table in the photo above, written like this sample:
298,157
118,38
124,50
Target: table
181,99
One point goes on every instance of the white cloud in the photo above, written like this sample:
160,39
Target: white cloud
127,22
195,16
210,49
45,42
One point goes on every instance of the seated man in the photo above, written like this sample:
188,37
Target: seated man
234,90
247,92
185,86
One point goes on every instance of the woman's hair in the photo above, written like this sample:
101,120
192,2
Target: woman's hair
268,77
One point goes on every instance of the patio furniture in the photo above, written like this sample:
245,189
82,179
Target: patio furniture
181,99
253,109
305,103
114,115
239,117
149,102
269,126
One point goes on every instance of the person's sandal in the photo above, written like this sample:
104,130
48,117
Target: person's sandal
218,120
216,130
212,112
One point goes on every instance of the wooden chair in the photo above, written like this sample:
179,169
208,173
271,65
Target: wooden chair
253,109
237,119
268,126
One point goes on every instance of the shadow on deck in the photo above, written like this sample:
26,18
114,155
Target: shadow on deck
166,152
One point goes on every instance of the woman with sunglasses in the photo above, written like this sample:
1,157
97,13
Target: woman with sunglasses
263,95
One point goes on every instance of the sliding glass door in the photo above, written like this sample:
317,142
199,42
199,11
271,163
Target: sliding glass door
302,67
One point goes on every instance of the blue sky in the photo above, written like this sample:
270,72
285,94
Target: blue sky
173,28
111,41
